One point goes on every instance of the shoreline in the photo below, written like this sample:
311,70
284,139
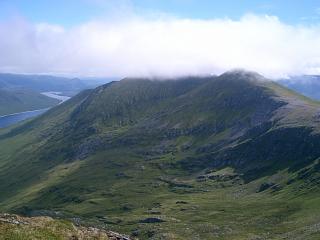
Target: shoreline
13,114
13,118
54,95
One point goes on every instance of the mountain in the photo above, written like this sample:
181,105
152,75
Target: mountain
228,157
20,92
308,85
13,101
47,83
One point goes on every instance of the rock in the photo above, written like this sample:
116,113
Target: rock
181,202
152,220
201,178
150,233
89,146
265,186
276,188
116,236
154,212
135,233
49,224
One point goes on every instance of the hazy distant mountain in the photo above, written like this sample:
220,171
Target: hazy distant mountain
227,157
43,83
308,85
23,92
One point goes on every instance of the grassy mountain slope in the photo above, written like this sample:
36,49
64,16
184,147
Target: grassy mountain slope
23,100
228,157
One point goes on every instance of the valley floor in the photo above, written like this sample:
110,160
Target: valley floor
222,208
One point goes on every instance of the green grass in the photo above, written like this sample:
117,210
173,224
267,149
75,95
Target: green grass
209,210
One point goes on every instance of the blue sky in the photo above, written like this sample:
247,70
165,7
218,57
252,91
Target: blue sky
73,12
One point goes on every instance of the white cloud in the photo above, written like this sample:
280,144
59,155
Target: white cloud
165,46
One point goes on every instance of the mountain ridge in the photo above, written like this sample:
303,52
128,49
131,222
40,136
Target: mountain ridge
134,150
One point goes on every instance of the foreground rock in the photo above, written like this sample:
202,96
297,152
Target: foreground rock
17,227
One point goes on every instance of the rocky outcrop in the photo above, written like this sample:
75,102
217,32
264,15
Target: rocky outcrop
30,225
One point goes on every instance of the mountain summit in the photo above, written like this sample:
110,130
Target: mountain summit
233,156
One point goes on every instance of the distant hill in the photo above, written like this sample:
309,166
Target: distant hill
20,92
228,157
308,85
45,83
13,101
